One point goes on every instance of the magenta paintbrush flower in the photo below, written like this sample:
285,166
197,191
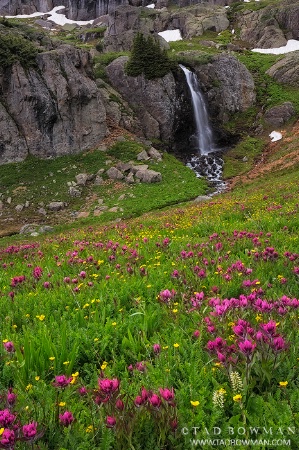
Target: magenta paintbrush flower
247,347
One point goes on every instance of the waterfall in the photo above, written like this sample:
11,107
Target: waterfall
207,161
204,134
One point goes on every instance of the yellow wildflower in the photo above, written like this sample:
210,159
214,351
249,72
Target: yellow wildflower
176,345
283,383
61,404
237,398
194,403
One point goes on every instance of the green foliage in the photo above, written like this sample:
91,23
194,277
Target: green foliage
15,47
240,159
268,92
148,59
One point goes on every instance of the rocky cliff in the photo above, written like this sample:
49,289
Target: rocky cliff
89,9
51,110
126,20
154,102
271,26
228,85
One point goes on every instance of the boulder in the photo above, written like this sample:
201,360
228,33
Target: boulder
154,154
278,115
81,179
74,192
142,156
56,206
114,174
286,70
148,176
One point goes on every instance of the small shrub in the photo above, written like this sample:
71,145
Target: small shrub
15,47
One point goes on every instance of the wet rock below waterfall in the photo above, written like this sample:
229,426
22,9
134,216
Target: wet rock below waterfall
209,167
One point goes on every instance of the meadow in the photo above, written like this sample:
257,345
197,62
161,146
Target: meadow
156,332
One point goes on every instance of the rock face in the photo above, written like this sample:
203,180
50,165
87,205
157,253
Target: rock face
126,20
74,9
52,111
227,85
271,26
154,101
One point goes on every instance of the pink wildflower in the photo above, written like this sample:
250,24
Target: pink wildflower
29,430
66,419
110,421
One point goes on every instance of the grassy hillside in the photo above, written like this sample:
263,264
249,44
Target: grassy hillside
128,335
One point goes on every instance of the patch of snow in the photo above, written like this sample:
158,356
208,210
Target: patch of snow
55,17
275,136
171,35
292,46
152,5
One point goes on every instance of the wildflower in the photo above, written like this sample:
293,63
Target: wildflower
6,418
104,365
29,430
283,384
66,363
156,348
11,397
52,358
247,347
108,386
196,334
176,345
139,401
37,272
113,324
167,394
119,404
218,398
37,378
61,404
41,317
82,391
194,402
61,381
8,438
66,418
110,421
140,366
155,400
236,382
9,346
28,387
237,398
89,429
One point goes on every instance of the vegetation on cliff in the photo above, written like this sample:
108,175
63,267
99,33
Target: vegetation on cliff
148,58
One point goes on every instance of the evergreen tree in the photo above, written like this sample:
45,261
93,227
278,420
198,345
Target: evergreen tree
148,58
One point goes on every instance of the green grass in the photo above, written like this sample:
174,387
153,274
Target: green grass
269,93
234,163
179,184
108,320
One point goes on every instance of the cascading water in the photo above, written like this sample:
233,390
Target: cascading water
206,162
204,134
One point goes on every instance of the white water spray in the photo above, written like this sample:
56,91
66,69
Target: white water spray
204,134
